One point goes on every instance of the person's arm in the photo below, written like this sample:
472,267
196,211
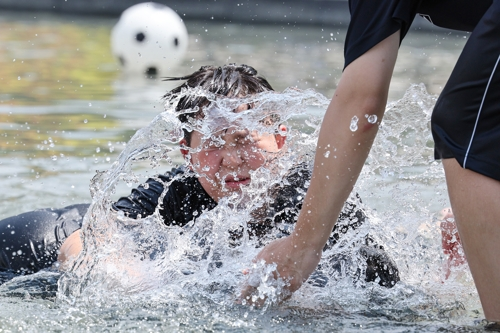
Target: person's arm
362,90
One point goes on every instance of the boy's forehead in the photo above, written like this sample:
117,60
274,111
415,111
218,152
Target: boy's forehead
219,118
222,134
216,119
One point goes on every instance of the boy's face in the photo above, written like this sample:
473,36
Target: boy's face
224,165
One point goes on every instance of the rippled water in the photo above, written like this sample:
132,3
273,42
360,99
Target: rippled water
60,127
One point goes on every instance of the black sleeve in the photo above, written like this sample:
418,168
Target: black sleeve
289,195
288,198
380,268
184,200
373,21
143,200
351,218
30,241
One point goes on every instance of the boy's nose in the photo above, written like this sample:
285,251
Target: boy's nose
232,157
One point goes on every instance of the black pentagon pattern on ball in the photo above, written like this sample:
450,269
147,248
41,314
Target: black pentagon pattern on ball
151,72
140,37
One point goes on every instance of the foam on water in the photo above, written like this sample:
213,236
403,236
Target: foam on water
199,267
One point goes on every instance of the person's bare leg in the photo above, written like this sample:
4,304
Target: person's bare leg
475,200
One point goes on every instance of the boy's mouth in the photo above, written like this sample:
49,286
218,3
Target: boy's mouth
236,182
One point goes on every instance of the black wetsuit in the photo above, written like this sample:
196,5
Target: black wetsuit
30,241
466,118
40,233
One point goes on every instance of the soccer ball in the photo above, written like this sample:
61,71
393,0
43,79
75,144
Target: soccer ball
149,39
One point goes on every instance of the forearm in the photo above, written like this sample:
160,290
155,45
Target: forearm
340,156
342,150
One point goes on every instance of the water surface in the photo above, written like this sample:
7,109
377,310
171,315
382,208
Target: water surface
66,110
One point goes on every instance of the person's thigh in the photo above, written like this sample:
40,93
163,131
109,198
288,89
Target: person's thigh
466,118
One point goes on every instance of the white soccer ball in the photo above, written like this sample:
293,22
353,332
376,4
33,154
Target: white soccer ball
150,39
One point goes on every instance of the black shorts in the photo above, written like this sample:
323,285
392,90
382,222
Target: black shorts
30,241
466,118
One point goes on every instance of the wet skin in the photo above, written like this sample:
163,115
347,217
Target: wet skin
225,163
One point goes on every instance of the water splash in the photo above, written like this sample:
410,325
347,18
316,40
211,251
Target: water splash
354,124
131,261
372,119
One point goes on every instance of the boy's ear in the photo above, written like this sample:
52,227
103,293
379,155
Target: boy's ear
183,149
281,138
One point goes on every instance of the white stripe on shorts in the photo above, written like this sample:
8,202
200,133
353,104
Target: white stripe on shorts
479,112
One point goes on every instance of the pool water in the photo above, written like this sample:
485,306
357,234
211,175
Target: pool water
67,110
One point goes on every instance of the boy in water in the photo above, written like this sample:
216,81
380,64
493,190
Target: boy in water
216,168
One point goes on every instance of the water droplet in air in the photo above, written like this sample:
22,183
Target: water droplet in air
98,150
327,153
354,124
372,119
54,158
85,121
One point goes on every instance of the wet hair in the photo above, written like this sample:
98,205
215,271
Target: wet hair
229,80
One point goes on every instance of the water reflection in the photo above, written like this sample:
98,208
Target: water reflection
45,59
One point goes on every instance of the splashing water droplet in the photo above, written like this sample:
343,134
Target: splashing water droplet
354,124
327,153
372,119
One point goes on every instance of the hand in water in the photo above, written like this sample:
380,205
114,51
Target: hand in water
450,241
294,265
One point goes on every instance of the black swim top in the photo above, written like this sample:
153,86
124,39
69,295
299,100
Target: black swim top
186,199
30,241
